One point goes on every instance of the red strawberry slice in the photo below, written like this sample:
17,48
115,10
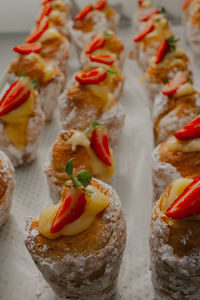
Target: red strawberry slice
186,3
148,16
92,77
28,48
83,13
97,42
139,2
163,49
70,210
46,11
99,142
190,130
175,84
147,29
46,1
39,30
100,4
17,94
188,203
104,59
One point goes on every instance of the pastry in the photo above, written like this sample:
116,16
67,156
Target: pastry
90,151
58,13
46,77
174,107
143,9
78,243
174,242
192,25
151,33
91,20
21,122
88,99
54,46
177,157
104,43
169,59
7,184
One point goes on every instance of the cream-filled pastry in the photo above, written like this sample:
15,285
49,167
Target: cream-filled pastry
175,243
90,98
58,13
91,20
151,34
178,156
45,75
22,121
105,43
176,105
169,60
7,185
91,152
85,228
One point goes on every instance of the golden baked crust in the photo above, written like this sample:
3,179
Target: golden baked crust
187,164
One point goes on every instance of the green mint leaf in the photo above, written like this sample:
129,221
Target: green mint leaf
88,192
189,79
67,185
76,183
84,178
198,113
162,10
118,56
23,74
172,41
158,20
108,34
111,72
34,82
92,127
69,167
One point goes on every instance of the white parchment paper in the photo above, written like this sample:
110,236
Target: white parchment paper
19,277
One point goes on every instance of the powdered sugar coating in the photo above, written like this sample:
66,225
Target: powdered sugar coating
7,178
162,174
159,105
84,265
173,277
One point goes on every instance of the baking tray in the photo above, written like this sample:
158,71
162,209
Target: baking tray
19,277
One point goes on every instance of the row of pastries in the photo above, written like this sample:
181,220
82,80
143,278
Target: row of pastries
174,241
77,242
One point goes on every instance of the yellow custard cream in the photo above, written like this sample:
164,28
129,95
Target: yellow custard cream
175,145
177,188
99,168
49,34
185,90
16,122
96,202
47,67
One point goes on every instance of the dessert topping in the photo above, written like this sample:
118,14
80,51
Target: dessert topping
38,31
17,94
98,41
92,77
190,130
28,48
83,13
104,59
175,84
149,15
45,12
99,142
147,29
169,44
188,202
100,4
